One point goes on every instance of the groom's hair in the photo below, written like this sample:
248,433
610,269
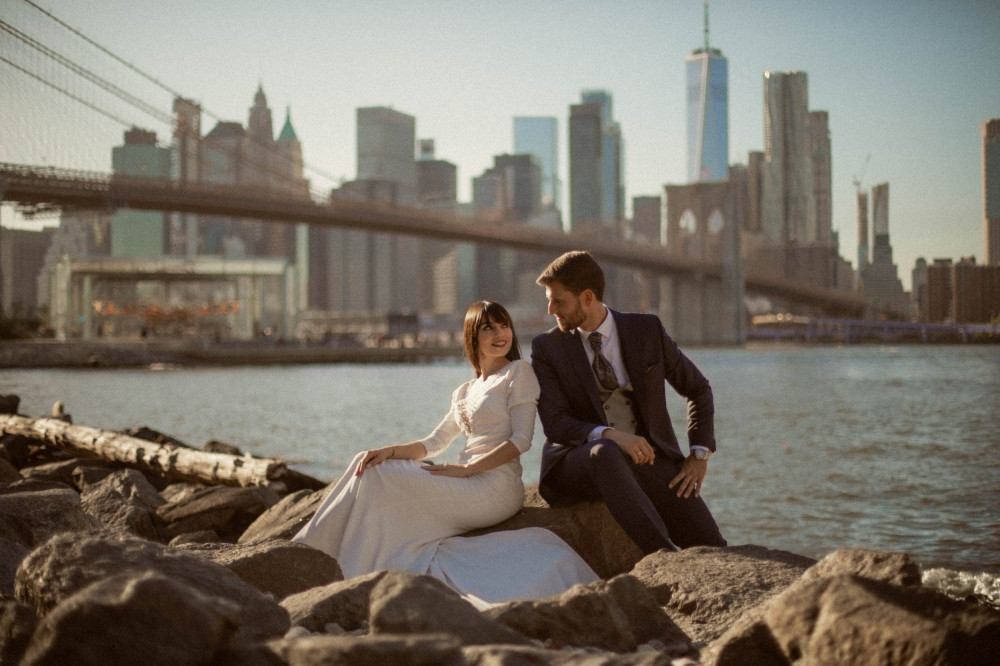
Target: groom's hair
577,271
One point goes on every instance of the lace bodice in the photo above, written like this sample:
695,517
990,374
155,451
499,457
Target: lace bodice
489,412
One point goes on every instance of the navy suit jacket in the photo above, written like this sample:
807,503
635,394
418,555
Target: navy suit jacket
570,406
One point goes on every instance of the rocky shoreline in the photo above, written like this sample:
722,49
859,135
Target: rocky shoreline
103,564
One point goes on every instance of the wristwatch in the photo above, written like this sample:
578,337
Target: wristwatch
700,453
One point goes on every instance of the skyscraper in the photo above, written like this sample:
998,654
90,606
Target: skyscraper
139,233
597,198
991,191
707,112
788,213
882,288
386,141
539,136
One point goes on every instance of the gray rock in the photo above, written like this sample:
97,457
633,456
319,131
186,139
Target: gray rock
67,563
750,640
586,526
15,530
11,556
224,510
286,518
8,472
614,615
344,603
423,650
124,501
113,621
705,589
517,655
204,536
888,567
17,624
63,470
51,509
851,620
276,566
407,603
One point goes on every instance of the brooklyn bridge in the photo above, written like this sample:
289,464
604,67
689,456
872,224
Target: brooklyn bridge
697,270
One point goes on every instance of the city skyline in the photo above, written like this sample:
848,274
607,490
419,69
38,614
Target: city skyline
892,77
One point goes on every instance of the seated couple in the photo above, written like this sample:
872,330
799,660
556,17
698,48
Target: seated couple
597,383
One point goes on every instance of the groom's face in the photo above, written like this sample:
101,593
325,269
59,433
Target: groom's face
565,306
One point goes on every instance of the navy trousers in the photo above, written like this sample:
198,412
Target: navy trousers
637,496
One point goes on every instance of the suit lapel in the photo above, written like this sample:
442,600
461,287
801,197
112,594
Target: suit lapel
633,364
583,375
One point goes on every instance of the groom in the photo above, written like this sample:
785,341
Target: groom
603,410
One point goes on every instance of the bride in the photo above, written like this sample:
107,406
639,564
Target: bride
389,511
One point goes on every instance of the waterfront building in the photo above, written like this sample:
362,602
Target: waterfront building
22,257
819,129
789,210
139,233
881,286
595,147
707,112
863,248
991,190
539,136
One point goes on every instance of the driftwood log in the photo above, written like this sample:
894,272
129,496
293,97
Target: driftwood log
177,464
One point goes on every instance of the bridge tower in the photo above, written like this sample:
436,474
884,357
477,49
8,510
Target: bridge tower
703,226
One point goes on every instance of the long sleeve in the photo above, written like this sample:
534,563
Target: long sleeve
522,404
685,378
445,432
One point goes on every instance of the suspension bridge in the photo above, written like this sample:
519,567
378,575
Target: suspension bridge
70,98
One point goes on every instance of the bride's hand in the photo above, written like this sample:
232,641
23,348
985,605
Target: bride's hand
447,469
375,457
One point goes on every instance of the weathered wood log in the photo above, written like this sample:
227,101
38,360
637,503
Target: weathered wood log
177,464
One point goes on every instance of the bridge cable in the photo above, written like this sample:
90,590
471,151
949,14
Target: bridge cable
163,86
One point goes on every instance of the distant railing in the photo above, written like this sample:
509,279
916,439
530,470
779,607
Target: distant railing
849,331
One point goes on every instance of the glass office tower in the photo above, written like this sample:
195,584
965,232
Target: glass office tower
707,115
539,136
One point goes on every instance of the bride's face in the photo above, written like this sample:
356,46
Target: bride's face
494,339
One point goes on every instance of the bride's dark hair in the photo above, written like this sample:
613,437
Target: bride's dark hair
479,313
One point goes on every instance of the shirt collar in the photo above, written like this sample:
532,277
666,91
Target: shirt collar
606,328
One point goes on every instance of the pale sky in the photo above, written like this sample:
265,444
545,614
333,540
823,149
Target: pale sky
906,81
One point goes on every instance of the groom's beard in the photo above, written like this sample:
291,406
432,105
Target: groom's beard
571,320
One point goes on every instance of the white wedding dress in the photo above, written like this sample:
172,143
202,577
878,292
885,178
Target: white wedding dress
399,516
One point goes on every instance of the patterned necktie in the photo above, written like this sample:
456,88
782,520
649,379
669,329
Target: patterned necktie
602,367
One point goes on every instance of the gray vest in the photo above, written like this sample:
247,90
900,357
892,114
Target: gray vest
619,409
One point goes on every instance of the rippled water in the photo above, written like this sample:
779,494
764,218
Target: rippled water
819,447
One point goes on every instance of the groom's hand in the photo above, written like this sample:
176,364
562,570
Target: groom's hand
635,447
690,478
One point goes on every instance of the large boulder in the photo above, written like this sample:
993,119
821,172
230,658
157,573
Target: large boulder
224,510
66,471
134,618
751,639
521,655
422,650
124,501
17,625
706,589
409,603
12,553
852,620
67,563
344,603
275,566
284,519
46,508
617,615
587,527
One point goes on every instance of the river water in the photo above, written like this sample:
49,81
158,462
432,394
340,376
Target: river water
894,448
